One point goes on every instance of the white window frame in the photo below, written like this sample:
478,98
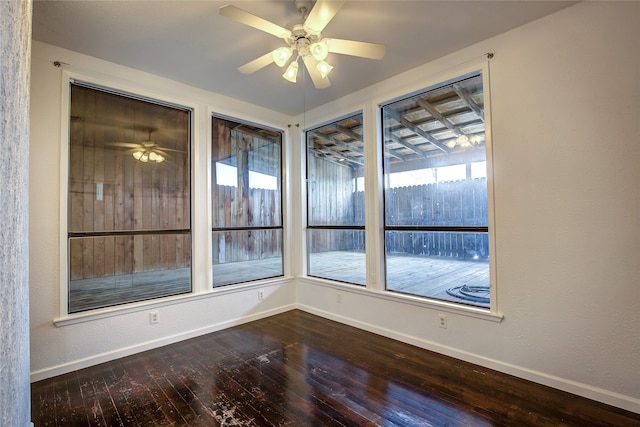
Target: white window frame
374,218
118,87
377,224
305,200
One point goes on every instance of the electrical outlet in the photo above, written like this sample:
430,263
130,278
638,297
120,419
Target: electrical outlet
260,294
154,317
339,298
443,320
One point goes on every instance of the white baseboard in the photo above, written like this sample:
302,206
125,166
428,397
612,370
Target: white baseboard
580,389
601,395
128,351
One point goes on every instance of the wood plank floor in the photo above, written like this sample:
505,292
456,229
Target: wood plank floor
301,370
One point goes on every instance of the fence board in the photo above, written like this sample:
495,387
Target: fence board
136,196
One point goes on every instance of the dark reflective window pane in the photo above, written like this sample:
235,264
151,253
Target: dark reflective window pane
243,256
105,271
335,201
246,202
129,200
337,255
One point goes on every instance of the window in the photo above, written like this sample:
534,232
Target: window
129,199
435,194
246,202
335,201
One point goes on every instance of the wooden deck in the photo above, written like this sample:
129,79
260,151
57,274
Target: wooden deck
422,276
296,369
429,277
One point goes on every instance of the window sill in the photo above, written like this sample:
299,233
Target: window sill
89,316
449,307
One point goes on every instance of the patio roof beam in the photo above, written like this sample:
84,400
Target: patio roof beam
408,146
415,129
469,101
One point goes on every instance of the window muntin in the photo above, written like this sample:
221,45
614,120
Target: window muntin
335,201
435,193
128,221
246,202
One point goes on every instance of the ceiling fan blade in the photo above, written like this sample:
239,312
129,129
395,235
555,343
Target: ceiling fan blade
123,144
157,148
316,77
354,48
162,152
321,13
256,64
254,21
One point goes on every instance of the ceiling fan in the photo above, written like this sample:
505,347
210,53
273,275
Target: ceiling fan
304,38
146,151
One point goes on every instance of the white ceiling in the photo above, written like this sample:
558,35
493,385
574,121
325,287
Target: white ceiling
188,41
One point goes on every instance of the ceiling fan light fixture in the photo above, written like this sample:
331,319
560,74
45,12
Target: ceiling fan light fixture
451,143
319,50
324,68
159,158
138,154
292,72
475,139
282,55
305,40
144,158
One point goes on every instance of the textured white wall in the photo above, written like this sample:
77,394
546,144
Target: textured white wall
566,148
15,55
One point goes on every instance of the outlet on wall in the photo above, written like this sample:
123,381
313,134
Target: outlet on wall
154,317
339,298
260,294
442,320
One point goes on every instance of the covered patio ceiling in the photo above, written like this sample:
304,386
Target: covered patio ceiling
443,121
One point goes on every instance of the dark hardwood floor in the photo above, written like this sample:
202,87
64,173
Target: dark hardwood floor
302,370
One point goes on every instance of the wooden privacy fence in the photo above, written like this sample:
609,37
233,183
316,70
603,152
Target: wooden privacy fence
442,204
323,240
260,209
455,203
135,198
92,257
451,203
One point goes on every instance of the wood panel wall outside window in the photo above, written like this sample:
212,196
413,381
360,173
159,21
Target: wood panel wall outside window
129,222
335,204
246,202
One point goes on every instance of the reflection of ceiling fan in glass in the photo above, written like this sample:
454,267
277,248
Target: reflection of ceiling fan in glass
146,151
304,39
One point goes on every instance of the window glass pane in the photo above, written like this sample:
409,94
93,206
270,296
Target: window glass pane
246,175
120,281
246,202
453,203
335,201
478,170
447,266
337,255
243,256
436,239
129,212
452,173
